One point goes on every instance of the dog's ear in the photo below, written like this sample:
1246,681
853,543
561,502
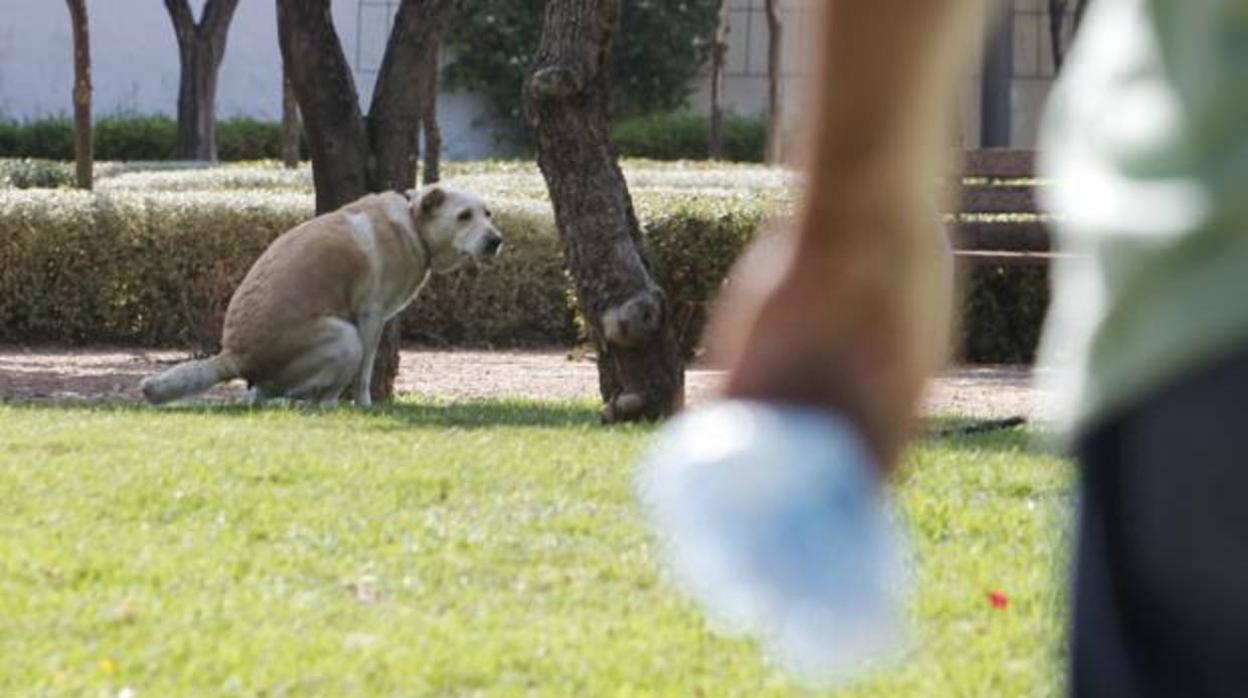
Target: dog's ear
431,200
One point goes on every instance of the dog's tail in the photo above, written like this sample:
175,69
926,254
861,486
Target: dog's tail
189,378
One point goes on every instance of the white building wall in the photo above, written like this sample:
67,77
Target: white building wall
745,75
135,62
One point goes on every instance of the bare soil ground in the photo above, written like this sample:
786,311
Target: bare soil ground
113,374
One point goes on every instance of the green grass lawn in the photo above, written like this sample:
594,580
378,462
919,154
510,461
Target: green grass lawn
433,549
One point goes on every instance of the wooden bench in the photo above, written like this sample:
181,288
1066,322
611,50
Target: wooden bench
997,221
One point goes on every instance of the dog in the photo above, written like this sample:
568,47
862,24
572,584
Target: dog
306,320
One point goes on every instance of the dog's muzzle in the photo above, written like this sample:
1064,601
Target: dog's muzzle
492,245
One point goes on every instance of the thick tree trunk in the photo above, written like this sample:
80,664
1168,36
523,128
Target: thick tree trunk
291,128
429,115
715,136
83,144
775,114
641,374
197,103
327,100
201,46
352,155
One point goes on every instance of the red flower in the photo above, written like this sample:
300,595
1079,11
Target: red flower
998,599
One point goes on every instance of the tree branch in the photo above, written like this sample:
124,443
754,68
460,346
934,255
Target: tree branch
321,78
183,20
395,109
215,23
417,23
1057,17
568,59
1080,7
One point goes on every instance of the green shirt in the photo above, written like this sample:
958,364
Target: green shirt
1146,139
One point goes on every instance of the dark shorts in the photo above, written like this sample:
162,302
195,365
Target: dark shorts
1161,569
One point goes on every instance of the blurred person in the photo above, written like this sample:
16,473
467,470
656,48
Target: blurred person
1146,138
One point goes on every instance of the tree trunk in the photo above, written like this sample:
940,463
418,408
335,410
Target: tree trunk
715,136
197,93
996,80
327,102
201,46
640,371
1080,7
1057,20
352,155
775,120
429,115
291,129
83,144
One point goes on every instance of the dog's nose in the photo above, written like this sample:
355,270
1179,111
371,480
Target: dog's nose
492,245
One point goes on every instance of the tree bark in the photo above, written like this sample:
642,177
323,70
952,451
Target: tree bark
1057,20
775,125
1060,38
351,154
1080,7
291,128
84,154
715,136
640,371
429,114
201,47
996,80
327,101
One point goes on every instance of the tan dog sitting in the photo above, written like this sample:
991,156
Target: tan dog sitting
307,319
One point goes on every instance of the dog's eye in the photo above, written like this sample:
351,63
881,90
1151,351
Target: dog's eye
488,214
465,215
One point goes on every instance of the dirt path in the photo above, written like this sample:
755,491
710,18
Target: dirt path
113,375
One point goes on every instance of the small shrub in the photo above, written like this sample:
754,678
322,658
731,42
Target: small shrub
135,138
684,135
693,242
35,174
243,138
10,137
51,138
1003,311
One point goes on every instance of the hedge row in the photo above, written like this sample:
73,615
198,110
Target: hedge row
664,136
137,138
158,268
685,135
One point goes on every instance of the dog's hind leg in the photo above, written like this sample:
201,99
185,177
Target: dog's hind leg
322,372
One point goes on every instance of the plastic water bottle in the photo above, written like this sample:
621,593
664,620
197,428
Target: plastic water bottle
773,518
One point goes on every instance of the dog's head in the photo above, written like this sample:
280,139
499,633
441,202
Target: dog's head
456,224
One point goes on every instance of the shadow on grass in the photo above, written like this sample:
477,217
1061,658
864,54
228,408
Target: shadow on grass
400,415
980,435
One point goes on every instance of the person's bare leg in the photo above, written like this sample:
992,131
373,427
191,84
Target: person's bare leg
850,308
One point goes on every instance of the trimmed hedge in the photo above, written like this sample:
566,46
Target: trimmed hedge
35,174
1003,314
158,268
137,138
680,135
684,135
